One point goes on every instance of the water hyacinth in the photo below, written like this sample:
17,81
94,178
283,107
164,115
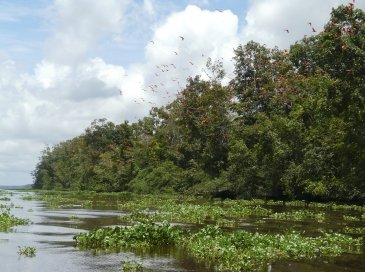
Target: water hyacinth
142,234
27,251
301,215
8,220
245,251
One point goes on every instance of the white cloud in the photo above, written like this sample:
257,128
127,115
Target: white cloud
79,25
266,20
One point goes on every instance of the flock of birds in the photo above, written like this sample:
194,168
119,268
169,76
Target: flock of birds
165,79
166,83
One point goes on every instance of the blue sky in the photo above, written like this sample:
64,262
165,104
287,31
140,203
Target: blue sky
64,63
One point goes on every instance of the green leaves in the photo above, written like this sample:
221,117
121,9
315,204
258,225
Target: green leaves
7,220
142,234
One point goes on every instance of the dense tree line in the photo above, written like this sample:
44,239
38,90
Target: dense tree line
291,124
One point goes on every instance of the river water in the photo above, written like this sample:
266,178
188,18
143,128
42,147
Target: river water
52,230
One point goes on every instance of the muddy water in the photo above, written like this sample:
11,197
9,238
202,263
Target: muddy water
51,234
52,230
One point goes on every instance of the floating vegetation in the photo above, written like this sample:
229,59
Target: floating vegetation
353,230
141,235
131,266
4,198
245,251
301,215
225,251
27,251
228,213
350,218
61,200
74,217
8,220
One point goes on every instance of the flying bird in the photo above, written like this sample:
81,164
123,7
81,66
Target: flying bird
182,38
152,42
286,30
313,29
175,52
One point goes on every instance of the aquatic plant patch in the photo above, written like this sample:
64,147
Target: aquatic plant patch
245,251
220,250
8,220
300,215
27,251
350,218
354,230
142,234
228,214
131,266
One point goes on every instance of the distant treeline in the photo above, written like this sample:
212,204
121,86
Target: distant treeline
290,124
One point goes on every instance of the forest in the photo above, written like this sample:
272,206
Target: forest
289,125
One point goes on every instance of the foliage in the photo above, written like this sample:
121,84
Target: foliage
141,235
131,266
8,220
245,251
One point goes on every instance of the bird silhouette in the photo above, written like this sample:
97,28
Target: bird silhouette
286,30
182,38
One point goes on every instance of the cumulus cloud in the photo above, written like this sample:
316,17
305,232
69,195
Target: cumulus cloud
267,20
79,25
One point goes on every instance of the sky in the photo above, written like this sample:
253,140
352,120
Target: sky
65,63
